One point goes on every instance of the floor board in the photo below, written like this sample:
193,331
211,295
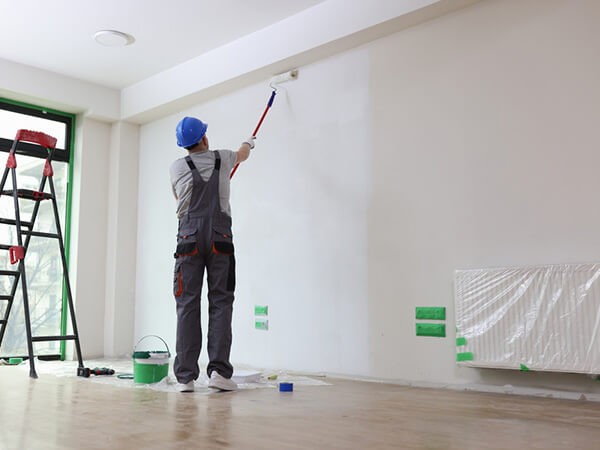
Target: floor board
70,413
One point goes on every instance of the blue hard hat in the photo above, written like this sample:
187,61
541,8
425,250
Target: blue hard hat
189,131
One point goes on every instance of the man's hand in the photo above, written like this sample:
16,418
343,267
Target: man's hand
244,150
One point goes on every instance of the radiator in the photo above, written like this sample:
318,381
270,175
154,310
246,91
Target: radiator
529,318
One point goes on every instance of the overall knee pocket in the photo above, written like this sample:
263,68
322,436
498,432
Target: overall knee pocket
187,246
178,280
222,244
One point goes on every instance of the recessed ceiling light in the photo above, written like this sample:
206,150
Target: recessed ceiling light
113,38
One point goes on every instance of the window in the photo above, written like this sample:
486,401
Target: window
42,264
14,117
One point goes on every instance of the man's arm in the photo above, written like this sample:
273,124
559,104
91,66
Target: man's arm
244,151
172,179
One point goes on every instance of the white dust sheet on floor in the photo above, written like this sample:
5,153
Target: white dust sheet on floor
246,378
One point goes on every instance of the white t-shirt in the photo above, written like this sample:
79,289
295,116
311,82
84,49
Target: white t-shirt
182,180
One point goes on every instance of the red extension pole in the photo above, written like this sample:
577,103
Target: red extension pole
269,104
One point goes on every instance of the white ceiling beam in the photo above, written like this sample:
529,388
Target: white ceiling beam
317,32
52,90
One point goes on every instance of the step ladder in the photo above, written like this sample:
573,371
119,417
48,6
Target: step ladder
24,232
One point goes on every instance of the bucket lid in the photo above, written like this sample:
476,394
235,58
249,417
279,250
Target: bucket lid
151,354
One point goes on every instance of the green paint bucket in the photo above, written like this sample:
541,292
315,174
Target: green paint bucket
150,366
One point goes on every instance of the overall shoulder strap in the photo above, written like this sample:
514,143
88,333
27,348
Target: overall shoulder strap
190,163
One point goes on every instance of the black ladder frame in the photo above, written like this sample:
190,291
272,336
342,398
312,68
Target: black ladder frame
17,253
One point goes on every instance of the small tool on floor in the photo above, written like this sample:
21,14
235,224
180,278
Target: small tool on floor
86,371
125,376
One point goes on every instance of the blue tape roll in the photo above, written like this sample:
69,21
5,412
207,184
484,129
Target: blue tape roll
286,387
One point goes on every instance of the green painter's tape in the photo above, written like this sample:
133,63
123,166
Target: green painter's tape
261,324
431,329
524,368
430,312
260,310
461,341
465,356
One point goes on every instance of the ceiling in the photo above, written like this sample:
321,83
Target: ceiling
57,35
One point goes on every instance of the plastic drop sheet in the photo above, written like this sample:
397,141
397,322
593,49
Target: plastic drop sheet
544,318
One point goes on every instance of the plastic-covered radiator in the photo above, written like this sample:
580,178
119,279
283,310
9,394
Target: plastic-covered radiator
543,318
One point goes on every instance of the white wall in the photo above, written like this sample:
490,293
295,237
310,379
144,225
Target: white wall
466,141
103,224
485,154
88,232
120,239
300,220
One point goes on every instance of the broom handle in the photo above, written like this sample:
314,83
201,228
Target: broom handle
269,104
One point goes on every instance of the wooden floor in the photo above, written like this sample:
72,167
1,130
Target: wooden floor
70,413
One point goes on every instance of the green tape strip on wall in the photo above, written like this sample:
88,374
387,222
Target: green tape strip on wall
261,324
464,356
261,310
431,329
430,312
461,341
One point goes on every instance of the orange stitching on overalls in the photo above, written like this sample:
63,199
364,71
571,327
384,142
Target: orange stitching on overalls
179,284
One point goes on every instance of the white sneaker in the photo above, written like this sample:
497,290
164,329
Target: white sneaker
186,387
219,382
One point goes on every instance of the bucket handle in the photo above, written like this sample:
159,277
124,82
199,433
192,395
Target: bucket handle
152,335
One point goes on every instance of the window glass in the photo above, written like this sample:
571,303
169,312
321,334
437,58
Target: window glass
11,121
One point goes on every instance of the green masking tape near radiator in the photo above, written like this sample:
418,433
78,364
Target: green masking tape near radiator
464,356
461,341
524,368
431,329
430,312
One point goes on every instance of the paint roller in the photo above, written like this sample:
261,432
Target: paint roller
274,82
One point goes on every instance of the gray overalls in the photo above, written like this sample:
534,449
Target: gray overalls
204,240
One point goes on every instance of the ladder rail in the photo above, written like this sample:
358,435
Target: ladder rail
66,281
15,283
34,214
21,270
13,292
23,278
